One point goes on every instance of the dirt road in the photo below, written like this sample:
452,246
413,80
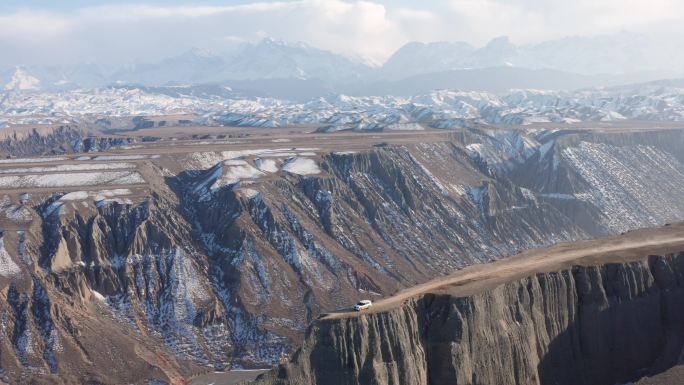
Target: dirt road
626,247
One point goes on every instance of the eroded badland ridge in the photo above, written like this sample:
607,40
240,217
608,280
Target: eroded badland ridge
607,311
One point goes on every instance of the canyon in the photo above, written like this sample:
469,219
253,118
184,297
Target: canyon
159,253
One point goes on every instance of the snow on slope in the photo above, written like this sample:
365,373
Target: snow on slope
8,268
267,165
634,184
245,171
301,166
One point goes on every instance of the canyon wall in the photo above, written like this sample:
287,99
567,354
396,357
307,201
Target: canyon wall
225,270
593,325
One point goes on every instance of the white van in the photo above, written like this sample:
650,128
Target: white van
363,305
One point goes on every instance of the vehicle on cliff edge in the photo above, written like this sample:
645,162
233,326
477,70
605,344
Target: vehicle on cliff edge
363,305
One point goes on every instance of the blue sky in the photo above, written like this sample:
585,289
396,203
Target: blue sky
120,32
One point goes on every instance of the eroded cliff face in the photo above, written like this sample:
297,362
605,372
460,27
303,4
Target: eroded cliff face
98,296
57,140
599,179
224,258
608,324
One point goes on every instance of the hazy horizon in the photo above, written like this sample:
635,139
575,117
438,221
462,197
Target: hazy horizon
48,33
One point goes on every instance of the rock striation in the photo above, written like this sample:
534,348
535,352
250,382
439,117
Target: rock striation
602,325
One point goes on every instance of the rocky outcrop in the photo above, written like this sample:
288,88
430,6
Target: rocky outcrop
38,142
58,140
599,325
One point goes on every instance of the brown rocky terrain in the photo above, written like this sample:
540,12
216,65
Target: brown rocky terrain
157,257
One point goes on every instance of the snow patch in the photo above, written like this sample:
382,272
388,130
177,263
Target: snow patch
100,197
68,167
278,154
242,172
301,166
72,179
98,296
235,162
267,165
247,193
114,192
32,160
125,157
75,196
405,127
8,268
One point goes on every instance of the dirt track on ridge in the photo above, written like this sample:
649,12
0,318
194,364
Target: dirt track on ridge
625,247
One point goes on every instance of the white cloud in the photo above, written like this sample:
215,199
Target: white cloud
373,29
481,20
28,26
611,15
420,25
538,20
122,32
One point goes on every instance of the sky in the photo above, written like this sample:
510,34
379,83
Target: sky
61,32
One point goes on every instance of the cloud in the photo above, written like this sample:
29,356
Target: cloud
610,15
122,33
538,20
29,26
481,20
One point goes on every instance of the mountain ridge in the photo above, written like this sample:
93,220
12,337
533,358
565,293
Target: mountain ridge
269,59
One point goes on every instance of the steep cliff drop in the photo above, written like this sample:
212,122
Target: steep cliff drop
601,312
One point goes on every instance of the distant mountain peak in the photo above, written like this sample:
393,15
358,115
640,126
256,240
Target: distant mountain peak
269,63
499,42
279,43
22,81
500,51
200,52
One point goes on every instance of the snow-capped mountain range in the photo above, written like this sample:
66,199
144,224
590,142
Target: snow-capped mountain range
609,54
659,101
260,68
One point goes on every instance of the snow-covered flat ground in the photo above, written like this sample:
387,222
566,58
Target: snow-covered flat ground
32,160
67,167
125,157
108,178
